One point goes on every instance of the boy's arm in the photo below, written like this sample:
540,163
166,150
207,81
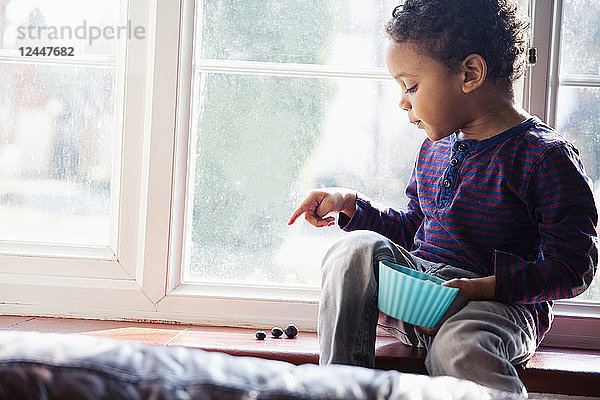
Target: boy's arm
398,226
561,202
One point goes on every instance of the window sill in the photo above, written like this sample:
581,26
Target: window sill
551,370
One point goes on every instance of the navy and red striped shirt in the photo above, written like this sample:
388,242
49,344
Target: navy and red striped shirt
517,205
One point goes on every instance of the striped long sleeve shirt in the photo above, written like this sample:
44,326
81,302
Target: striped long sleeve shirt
517,206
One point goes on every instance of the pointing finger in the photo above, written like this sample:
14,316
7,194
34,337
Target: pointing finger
302,209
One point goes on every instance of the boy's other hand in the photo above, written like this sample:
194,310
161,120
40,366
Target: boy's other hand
319,203
469,289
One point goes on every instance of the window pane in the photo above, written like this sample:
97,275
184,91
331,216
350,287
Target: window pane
262,143
56,146
577,112
71,23
580,37
307,32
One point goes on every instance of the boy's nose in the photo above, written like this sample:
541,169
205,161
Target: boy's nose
404,103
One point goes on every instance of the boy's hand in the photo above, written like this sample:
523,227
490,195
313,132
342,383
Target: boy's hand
320,203
469,289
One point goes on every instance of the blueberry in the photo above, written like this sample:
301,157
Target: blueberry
261,335
276,332
291,331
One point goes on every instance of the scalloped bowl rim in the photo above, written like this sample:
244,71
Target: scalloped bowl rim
416,280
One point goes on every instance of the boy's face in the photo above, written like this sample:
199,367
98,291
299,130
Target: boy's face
431,94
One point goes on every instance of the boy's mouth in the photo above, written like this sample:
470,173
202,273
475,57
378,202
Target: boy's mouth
417,123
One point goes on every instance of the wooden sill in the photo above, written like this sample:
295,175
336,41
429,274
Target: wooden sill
551,370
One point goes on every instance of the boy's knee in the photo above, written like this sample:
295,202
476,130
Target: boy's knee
360,240
353,254
466,351
356,244
452,354
462,345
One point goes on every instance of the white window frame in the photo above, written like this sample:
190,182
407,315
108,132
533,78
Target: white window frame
129,278
231,304
139,275
125,279
576,323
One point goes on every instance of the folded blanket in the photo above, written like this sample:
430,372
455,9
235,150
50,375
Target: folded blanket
37,365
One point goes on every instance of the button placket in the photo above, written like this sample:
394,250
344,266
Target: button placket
459,153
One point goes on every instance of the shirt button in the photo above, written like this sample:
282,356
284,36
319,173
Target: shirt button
462,147
447,183
454,162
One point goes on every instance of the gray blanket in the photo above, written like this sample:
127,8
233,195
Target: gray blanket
52,366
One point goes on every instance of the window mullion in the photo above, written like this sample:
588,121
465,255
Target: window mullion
289,69
588,81
554,63
537,78
183,187
156,175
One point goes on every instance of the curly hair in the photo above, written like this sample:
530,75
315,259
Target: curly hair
450,30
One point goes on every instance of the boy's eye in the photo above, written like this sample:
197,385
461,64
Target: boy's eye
411,89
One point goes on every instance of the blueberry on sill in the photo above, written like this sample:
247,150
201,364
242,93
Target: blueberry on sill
291,331
261,335
276,332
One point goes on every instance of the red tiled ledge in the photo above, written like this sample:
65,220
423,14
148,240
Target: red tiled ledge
300,350
551,370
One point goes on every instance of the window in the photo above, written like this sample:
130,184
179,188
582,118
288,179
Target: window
562,90
167,165
57,123
285,99
71,185
577,103
573,95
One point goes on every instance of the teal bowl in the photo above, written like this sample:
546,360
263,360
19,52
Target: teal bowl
406,295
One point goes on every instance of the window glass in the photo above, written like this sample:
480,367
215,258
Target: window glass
580,37
56,146
87,25
309,32
577,110
262,143
578,105
57,124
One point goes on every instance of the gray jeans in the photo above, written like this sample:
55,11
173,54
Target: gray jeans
481,343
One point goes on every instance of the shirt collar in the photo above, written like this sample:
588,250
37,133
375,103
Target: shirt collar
496,139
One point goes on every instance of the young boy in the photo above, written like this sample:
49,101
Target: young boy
499,204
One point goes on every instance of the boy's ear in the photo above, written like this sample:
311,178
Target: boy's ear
473,71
